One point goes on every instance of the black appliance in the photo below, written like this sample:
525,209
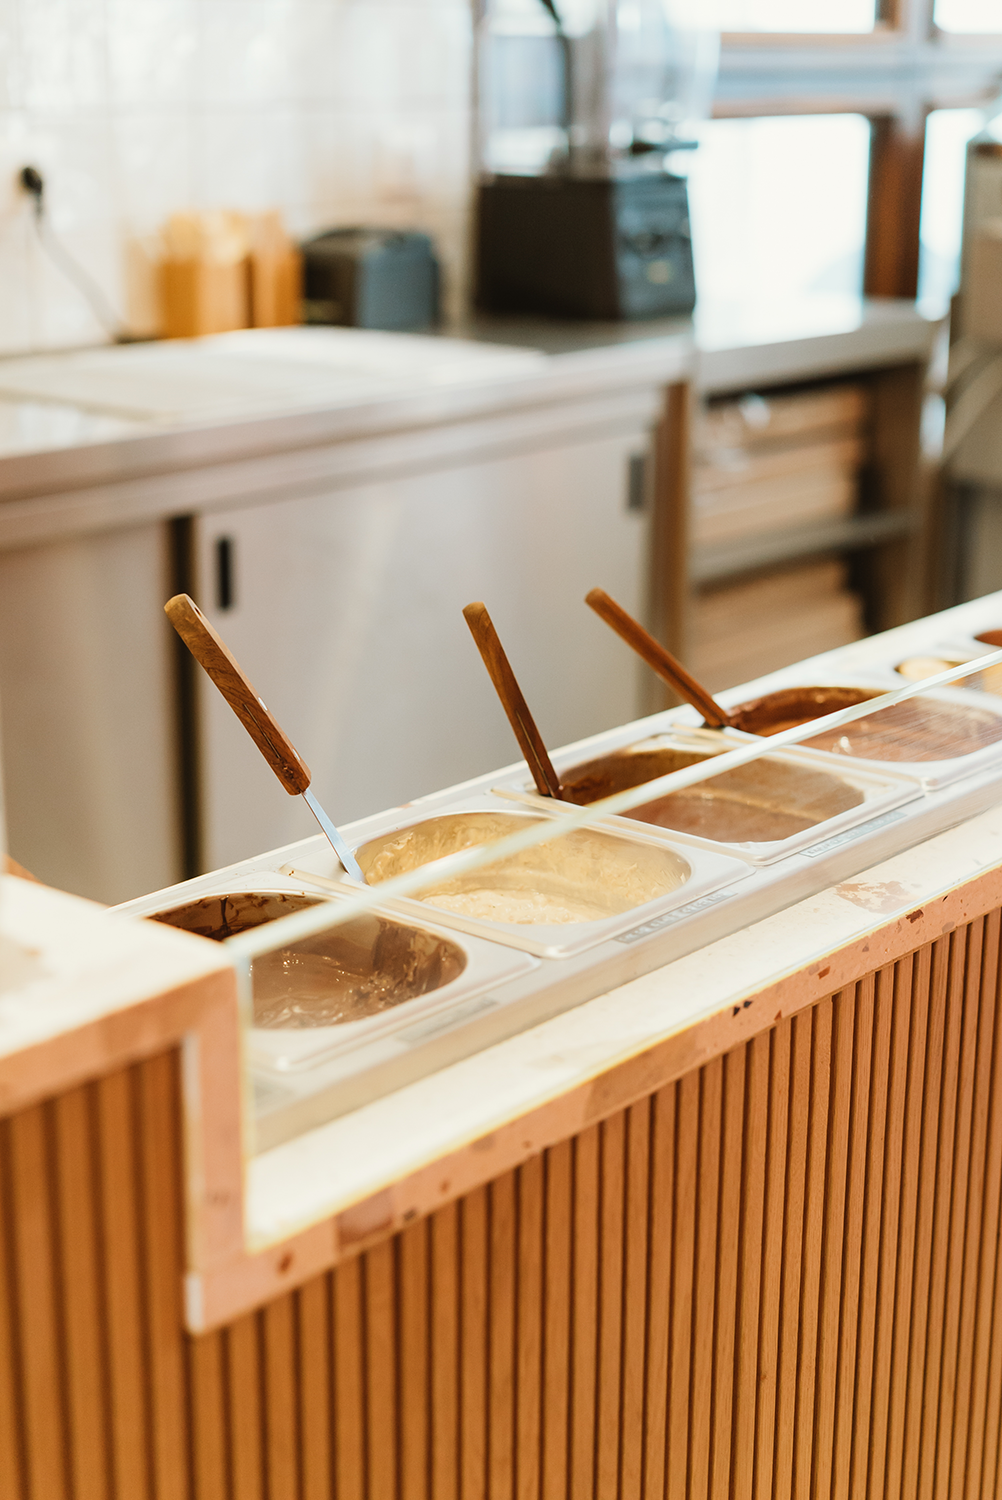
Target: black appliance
585,247
371,278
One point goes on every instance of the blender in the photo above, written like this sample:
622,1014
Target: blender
586,108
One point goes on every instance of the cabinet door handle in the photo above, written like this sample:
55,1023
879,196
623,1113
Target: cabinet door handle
225,580
636,482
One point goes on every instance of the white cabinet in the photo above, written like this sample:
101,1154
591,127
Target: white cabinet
346,615
90,735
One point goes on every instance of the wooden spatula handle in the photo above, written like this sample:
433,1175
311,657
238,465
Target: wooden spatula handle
210,653
529,738
655,655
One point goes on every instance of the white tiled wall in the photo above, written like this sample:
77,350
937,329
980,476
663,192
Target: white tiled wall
335,111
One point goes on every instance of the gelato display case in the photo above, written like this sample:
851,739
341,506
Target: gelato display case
574,1112
488,908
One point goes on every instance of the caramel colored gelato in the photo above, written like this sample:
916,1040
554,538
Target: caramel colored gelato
763,802
920,729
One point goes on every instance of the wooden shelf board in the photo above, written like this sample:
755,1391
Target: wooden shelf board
727,559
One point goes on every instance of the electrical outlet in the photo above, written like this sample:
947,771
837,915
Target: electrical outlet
18,150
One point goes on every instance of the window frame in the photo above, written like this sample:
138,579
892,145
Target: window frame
895,75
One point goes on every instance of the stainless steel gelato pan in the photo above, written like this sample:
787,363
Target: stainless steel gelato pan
941,657
344,987
763,810
555,898
358,969
937,737
921,729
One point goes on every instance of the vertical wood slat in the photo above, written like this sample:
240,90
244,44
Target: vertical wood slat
159,1148
796,1183
559,1173
350,1437
912,1373
661,1190
608,1394
883,1149
963,1421
85,1364
983,1480
986,1231
891,1377
245,1423
683,1268
444,1353
34,1235
966,1161
12,1418
209,1426
635,1298
584,1314
474,1347
729,1239
414,1335
381,1370
778,1275
281,1400
950,1132
704,1297
503,1241
854,1210
812,1233
313,1337
123,1288
751,1250
529,1410
770,1318
833,1240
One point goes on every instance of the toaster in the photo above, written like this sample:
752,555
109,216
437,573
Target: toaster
371,278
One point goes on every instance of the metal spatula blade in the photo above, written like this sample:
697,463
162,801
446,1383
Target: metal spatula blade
344,854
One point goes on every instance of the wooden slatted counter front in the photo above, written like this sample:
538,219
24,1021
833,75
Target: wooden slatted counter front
752,1253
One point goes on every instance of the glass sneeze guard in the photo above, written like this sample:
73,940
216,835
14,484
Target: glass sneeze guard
491,908
562,820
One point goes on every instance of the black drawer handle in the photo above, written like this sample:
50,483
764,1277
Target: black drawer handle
225,571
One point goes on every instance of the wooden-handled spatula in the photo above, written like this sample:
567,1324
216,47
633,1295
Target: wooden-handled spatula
499,668
654,654
288,765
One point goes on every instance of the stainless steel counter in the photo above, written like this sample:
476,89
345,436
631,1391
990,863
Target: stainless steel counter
104,437
738,346
82,434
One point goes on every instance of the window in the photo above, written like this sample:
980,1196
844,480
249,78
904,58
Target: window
799,15
946,135
882,61
778,207
979,16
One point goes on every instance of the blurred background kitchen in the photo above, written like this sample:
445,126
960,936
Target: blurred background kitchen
479,407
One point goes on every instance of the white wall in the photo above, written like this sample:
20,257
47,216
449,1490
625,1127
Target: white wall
335,111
